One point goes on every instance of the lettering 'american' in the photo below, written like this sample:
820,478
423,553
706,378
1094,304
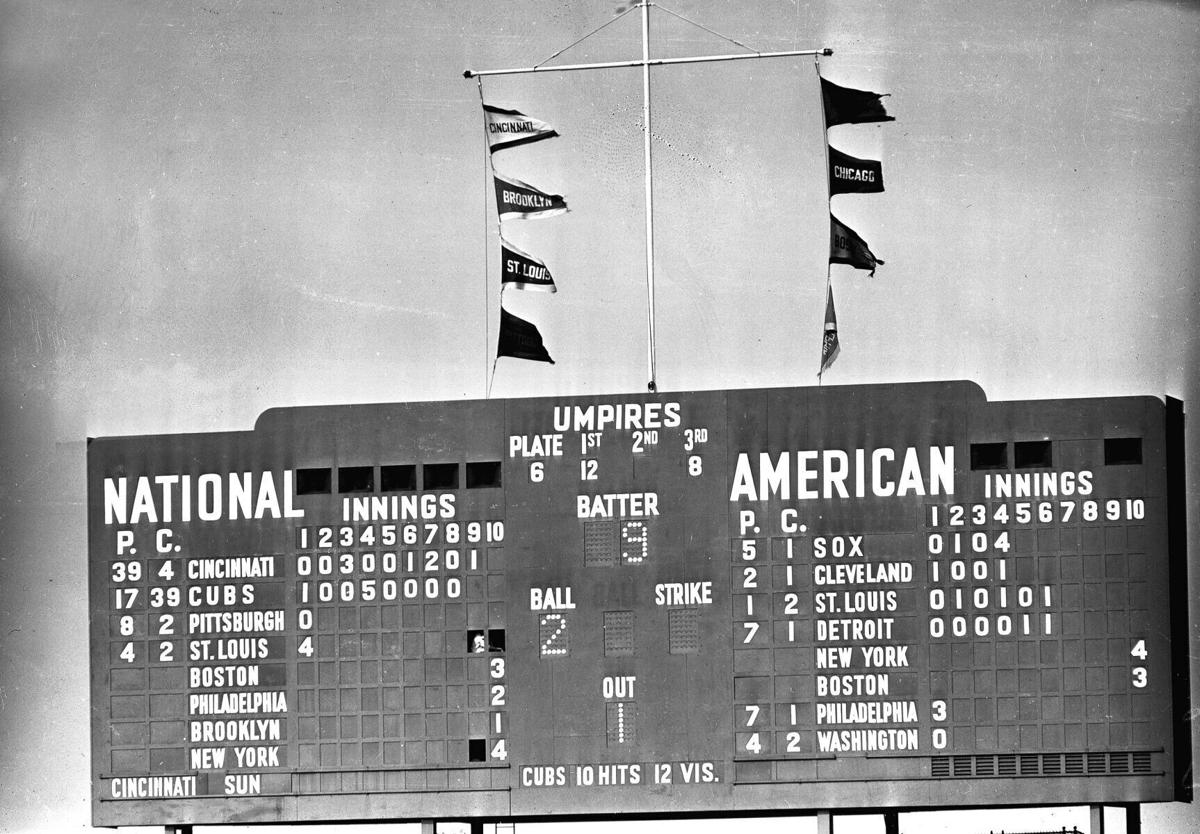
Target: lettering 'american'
835,473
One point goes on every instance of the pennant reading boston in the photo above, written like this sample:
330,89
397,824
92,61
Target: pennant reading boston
834,473
847,247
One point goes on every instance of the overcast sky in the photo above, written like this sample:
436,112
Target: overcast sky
211,208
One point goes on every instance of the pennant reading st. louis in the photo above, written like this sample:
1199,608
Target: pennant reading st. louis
523,271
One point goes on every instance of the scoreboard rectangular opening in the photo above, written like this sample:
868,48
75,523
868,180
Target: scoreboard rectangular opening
713,602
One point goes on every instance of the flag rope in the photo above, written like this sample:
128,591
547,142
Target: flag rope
492,378
706,29
585,37
487,306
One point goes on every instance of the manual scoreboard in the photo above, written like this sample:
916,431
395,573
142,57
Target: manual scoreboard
712,602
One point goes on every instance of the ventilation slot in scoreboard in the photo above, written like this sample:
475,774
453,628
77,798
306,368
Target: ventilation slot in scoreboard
599,544
1041,764
683,631
618,633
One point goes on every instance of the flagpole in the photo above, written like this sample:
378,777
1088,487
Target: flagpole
829,210
487,307
652,385
645,63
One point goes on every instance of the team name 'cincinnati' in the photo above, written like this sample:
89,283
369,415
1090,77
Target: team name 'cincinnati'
511,127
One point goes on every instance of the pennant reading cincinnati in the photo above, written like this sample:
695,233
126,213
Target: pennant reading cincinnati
834,473
511,127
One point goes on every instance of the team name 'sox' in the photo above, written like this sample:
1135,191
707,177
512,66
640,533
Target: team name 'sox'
834,473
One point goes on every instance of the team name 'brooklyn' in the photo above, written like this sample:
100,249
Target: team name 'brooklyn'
516,198
833,473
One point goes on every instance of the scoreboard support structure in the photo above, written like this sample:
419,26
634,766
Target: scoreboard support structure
826,822
711,603
1133,818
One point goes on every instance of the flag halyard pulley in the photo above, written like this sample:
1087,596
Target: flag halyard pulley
645,62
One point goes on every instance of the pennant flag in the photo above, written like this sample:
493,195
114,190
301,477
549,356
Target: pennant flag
829,343
523,271
846,106
519,200
509,128
520,339
851,175
846,247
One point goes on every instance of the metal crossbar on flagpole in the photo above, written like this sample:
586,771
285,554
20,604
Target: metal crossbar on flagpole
645,63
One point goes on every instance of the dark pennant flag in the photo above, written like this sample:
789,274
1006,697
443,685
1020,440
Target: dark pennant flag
520,339
851,175
846,106
846,247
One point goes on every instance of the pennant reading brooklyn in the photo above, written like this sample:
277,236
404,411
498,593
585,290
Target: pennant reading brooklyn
519,200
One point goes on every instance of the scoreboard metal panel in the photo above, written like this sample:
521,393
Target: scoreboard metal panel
712,602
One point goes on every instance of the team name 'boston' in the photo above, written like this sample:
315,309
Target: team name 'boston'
208,497
829,473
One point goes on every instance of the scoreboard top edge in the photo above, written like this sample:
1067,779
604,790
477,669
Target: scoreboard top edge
960,392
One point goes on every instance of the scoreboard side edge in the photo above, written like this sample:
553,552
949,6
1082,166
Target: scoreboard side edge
1177,546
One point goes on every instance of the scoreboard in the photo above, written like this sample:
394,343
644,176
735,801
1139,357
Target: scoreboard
712,602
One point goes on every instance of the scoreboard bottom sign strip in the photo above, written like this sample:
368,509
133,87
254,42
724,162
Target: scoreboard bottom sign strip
247,784
745,771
